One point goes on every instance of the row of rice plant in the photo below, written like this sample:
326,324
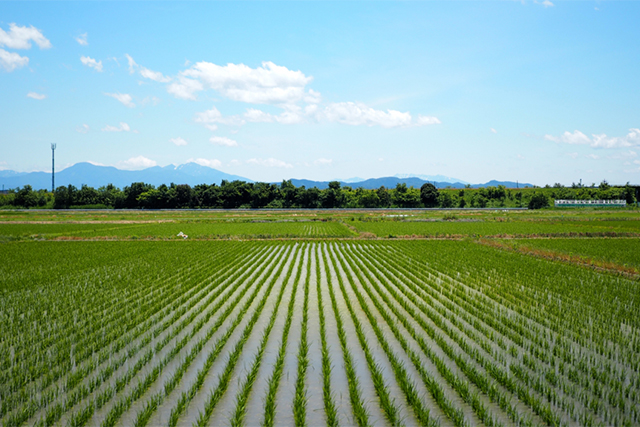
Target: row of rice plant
411,332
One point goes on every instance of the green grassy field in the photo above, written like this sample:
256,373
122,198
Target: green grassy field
312,323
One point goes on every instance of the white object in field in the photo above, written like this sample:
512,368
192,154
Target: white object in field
181,234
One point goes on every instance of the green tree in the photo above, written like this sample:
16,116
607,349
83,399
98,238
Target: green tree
445,200
384,196
332,197
429,195
26,197
369,199
538,200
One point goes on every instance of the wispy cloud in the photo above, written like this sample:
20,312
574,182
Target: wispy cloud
38,96
211,163
21,37
91,63
178,141
122,128
83,129
223,140
270,163
137,163
632,139
11,61
356,113
124,98
82,39
145,72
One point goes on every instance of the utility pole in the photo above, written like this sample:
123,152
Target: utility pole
53,168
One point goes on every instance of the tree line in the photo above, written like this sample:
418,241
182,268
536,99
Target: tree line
247,195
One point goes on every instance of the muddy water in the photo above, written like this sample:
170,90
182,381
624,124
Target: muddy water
212,379
406,413
450,363
158,321
227,405
287,388
162,414
339,381
372,403
427,364
255,404
98,416
315,404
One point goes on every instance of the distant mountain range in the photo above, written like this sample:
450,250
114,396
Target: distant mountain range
194,174
392,181
98,176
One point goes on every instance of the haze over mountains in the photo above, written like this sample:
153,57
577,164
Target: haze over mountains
193,174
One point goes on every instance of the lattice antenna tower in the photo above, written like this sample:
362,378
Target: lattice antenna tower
53,167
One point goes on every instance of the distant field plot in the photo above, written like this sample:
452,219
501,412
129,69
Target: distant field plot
490,228
620,251
194,229
276,333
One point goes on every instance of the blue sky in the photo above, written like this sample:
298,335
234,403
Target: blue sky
538,92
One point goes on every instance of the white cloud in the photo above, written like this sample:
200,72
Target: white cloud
38,96
132,64
124,98
576,137
312,97
185,88
593,156
11,60
122,128
427,120
154,75
493,130
223,140
209,117
322,161
291,115
21,37
82,39
632,139
178,141
91,63
211,163
258,116
136,163
270,163
352,113
547,3
573,155
268,84
83,129
145,72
